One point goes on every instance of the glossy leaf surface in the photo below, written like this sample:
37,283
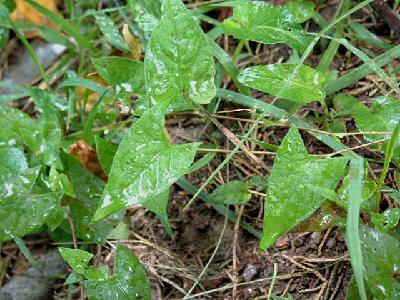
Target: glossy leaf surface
179,66
306,86
124,74
128,282
291,201
383,116
146,13
381,263
77,259
269,24
110,32
145,165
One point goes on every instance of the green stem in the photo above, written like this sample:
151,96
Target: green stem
238,50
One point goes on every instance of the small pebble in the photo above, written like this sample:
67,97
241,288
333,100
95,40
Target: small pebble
299,241
316,238
331,243
249,272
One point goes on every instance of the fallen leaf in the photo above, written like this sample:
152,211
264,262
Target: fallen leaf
25,12
84,153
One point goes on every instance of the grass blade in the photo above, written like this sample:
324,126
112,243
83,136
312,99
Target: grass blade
356,175
355,75
388,158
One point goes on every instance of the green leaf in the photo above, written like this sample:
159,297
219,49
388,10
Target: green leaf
60,182
367,36
88,189
123,73
105,153
21,211
110,32
231,193
41,137
269,24
92,273
301,10
74,277
146,14
129,281
381,263
145,165
387,220
12,162
178,64
4,32
383,116
306,86
77,259
291,196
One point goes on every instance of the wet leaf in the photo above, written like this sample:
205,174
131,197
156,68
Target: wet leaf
383,116
231,193
105,151
306,86
4,32
387,220
146,14
77,259
12,162
145,165
23,212
110,32
179,67
269,24
301,10
128,282
123,74
291,201
88,189
381,263
60,182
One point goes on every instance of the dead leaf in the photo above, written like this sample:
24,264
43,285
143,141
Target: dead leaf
88,158
25,12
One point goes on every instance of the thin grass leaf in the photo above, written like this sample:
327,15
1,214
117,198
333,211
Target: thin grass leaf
85,83
356,175
388,158
367,36
87,130
24,249
355,75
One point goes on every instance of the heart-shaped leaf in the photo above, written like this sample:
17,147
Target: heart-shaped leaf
294,184
179,67
145,165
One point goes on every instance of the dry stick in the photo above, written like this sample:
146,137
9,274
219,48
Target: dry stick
388,15
234,139
234,250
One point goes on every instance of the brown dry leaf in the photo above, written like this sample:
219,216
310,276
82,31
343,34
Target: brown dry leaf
133,43
88,158
25,12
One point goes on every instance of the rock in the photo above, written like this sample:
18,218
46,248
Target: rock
36,283
249,272
331,243
298,241
316,238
